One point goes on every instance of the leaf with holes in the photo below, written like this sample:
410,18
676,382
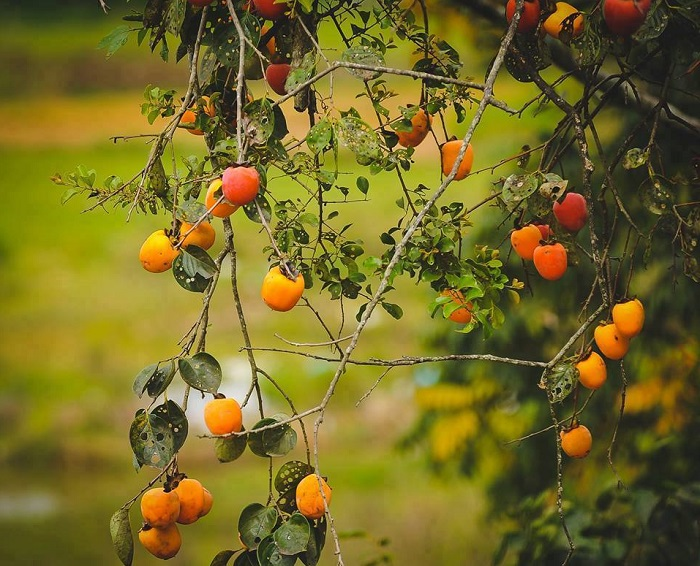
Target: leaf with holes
255,523
357,136
154,379
229,448
517,188
152,440
365,56
292,536
276,441
122,539
202,371
561,380
172,414
290,474
259,121
656,197
635,157
320,135
193,269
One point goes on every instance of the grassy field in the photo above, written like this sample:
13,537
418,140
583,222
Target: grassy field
81,318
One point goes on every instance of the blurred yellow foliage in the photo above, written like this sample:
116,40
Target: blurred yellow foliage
668,392
450,433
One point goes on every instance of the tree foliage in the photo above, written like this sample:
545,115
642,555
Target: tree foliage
625,139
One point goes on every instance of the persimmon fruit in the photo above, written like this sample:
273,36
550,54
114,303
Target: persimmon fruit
276,75
269,9
576,442
628,317
554,24
571,212
624,17
157,252
202,236
161,542
420,127
529,18
214,193
223,416
611,343
309,499
592,372
550,261
525,240
159,508
463,314
191,495
449,152
281,293
240,185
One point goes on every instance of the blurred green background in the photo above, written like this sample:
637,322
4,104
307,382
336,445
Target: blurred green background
81,318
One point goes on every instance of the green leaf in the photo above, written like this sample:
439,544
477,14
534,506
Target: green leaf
292,537
394,310
115,40
360,138
276,441
362,184
320,136
193,269
202,371
655,196
152,440
561,380
172,414
175,16
122,539
68,194
229,448
635,157
222,558
154,379
290,474
317,540
247,559
517,188
363,55
269,554
255,523
260,120
302,73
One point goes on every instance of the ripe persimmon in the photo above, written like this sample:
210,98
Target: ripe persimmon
554,23
610,342
628,316
525,240
157,252
240,185
550,261
449,152
161,542
223,416
189,118
203,235
191,495
208,502
159,507
592,371
269,9
421,123
281,292
571,212
309,500
462,315
214,193
529,18
576,442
